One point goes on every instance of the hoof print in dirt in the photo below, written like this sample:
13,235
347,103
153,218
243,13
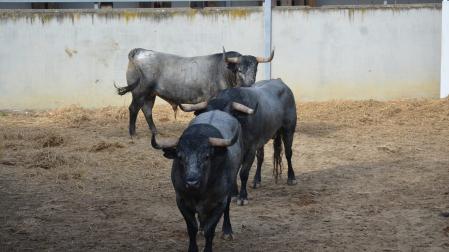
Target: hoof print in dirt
292,182
227,237
241,202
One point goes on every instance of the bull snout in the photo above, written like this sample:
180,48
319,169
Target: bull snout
192,183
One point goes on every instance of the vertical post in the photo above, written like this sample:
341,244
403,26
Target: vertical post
267,36
444,81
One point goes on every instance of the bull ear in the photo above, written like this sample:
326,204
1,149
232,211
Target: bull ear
169,153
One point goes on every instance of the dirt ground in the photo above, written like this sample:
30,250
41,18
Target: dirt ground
372,176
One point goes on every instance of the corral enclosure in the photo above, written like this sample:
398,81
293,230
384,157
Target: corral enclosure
57,58
372,175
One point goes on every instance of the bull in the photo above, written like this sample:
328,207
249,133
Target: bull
179,80
264,110
206,159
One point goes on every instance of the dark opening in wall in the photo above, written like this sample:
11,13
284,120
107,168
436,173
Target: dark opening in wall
155,5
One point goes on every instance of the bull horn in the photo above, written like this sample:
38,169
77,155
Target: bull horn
219,142
193,107
242,108
163,143
265,60
234,60
222,142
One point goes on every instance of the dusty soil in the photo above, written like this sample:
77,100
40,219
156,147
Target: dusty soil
371,176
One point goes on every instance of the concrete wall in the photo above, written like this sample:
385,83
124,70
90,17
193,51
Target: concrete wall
56,58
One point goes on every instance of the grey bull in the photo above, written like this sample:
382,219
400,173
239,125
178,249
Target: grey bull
266,110
179,80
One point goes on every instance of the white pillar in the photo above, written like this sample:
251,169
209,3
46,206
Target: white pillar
444,81
267,37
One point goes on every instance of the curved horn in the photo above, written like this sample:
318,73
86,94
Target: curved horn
242,108
163,143
193,107
265,60
222,142
235,60
219,142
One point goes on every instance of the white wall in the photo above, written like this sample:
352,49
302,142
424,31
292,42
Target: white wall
344,53
57,58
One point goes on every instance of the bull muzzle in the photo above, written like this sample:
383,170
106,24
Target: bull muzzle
192,183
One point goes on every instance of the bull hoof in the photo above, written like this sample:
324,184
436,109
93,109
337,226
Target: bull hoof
292,182
256,185
241,202
227,237
234,199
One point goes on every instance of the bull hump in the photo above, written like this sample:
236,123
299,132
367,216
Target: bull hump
222,121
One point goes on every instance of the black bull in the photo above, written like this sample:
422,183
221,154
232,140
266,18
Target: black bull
180,80
264,110
206,160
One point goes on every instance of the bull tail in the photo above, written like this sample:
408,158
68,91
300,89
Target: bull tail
131,74
277,155
129,88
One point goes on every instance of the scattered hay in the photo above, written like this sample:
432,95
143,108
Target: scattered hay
49,159
13,136
389,149
67,176
102,145
164,119
52,141
370,112
75,116
114,113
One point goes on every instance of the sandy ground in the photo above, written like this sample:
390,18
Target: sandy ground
372,176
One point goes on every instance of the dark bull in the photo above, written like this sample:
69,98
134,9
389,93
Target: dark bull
265,110
206,159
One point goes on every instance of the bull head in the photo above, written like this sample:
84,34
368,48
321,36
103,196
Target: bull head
171,143
237,60
245,67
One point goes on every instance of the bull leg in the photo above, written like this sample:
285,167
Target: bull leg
287,138
134,108
257,177
234,192
210,225
244,173
227,228
192,225
147,110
